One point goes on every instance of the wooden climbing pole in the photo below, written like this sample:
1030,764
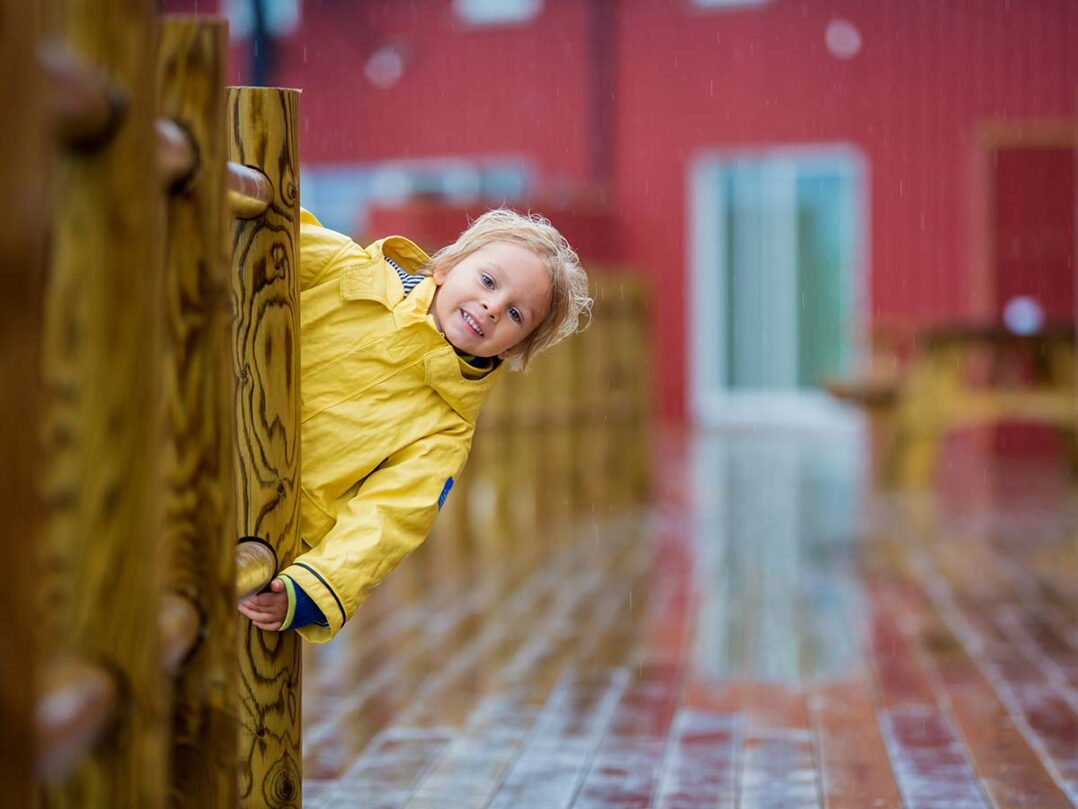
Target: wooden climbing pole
262,126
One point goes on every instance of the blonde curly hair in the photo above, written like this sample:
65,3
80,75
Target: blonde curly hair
569,299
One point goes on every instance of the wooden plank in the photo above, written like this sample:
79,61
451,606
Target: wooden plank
1011,772
472,704
22,235
200,527
854,769
103,429
586,607
627,766
552,763
927,756
1048,712
387,667
702,762
473,766
262,126
778,767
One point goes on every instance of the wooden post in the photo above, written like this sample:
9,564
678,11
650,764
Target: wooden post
486,484
640,374
21,234
262,127
200,529
558,372
593,369
101,358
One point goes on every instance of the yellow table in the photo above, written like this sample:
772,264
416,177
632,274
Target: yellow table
967,375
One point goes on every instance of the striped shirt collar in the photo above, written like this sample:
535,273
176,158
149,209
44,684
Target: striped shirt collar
480,365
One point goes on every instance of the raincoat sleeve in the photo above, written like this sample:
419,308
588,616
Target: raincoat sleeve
324,253
389,516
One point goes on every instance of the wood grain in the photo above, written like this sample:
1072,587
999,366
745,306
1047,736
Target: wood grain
200,530
21,235
265,251
101,358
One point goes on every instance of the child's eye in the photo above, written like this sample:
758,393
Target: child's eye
488,281
515,314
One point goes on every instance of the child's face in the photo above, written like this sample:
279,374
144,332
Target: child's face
491,300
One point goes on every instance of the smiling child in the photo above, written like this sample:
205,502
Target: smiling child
398,353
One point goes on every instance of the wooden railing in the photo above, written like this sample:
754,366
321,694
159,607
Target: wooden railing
161,355
150,335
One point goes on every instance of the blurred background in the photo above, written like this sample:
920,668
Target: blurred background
832,246
803,184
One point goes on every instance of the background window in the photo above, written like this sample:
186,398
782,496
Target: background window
727,3
282,17
340,195
497,12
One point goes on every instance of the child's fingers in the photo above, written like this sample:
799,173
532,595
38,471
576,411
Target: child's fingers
259,615
267,610
266,599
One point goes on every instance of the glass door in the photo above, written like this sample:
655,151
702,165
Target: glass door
776,274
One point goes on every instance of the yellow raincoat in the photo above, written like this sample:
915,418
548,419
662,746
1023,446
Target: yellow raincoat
388,412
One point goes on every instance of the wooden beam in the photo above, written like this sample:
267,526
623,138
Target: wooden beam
85,109
262,125
256,565
249,191
22,232
102,353
78,701
181,626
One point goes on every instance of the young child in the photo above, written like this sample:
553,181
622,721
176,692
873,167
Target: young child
398,352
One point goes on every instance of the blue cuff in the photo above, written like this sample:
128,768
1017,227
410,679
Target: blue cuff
305,611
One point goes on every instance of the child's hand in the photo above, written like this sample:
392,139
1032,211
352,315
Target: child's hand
267,610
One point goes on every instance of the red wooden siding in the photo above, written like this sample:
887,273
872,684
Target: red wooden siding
915,100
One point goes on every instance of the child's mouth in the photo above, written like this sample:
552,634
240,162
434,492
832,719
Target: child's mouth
471,323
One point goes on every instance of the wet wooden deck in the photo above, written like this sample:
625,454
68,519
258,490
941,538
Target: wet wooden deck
769,636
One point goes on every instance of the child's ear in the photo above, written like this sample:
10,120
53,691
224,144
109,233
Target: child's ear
439,273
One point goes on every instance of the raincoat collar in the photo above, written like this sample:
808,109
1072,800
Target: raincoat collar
444,369
442,366
466,396
385,286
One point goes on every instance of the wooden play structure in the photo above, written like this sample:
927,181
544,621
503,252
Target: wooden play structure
151,417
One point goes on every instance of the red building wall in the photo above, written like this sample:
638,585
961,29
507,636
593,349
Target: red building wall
674,80
928,74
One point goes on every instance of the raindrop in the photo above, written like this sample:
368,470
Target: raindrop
843,39
1023,315
385,67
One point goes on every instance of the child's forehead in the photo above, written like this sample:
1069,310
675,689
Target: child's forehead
507,254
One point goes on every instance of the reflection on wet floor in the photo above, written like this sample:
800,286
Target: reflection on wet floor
771,635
